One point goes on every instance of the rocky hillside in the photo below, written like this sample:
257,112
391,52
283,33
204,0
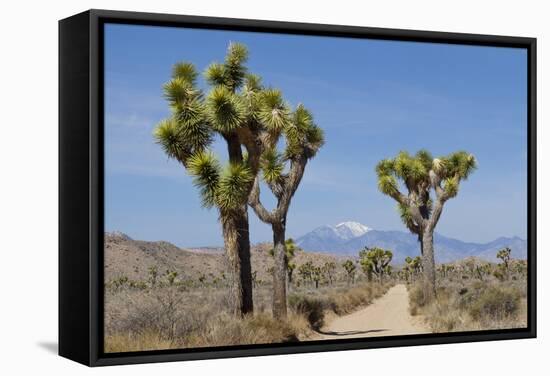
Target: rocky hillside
124,256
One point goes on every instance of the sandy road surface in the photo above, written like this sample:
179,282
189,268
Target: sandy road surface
386,316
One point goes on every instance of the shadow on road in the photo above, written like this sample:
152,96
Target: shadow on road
350,332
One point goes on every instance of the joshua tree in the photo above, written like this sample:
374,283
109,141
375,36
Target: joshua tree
171,277
520,268
246,116
413,265
504,255
255,278
375,260
306,271
349,267
283,172
445,270
329,270
290,271
316,275
482,270
153,273
421,175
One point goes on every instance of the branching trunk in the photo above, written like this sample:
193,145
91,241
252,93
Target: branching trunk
279,272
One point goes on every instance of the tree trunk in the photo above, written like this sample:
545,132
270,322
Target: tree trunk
279,272
237,242
237,246
428,263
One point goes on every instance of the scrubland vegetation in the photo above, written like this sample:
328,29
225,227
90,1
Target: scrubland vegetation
143,316
474,295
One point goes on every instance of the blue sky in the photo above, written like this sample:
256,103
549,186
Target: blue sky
372,98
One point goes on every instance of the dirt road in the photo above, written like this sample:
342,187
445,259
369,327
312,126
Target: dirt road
386,316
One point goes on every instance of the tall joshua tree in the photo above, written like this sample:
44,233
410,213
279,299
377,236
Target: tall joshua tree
422,175
245,116
283,172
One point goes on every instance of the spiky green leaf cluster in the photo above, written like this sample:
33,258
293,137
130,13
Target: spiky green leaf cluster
225,109
185,71
235,71
272,166
233,185
273,111
406,216
451,186
460,164
303,136
252,83
206,171
187,131
232,72
178,91
167,134
387,184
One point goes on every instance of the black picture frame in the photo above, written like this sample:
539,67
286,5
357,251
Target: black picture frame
81,185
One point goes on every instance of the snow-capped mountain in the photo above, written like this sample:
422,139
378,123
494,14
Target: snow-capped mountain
327,237
349,230
348,238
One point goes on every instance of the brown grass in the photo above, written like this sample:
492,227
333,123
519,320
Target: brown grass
170,317
472,305
314,305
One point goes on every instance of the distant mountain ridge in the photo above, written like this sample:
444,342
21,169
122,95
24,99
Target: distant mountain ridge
348,238
124,256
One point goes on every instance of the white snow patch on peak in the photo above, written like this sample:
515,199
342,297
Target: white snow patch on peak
351,229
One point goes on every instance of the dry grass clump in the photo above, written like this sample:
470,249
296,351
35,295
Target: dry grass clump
255,329
222,330
173,317
479,305
314,305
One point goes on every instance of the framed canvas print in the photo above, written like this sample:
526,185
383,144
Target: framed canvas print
238,187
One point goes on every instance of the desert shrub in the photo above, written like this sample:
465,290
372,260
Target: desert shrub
495,303
313,309
339,301
417,298
475,305
226,329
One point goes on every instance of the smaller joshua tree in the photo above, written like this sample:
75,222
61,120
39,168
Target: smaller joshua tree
171,277
153,274
505,255
424,177
350,268
316,275
290,249
329,271
306,272
283,172
375,260
413,266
